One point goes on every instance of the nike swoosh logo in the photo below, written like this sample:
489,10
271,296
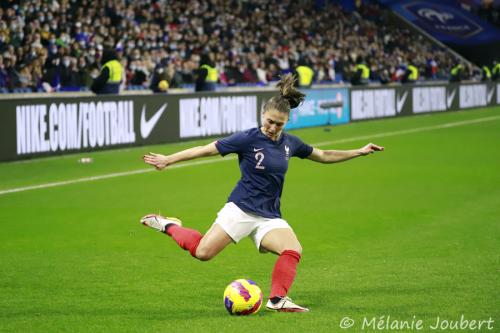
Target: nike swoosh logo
490,95
449,99
401,102
259,149
148,125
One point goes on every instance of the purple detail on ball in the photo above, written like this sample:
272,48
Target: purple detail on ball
242,290
257,305
229,305
251,282
254,309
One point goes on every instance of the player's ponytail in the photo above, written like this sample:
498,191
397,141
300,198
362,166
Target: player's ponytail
288,91
288,98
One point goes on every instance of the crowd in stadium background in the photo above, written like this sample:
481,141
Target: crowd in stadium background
488,10
57,45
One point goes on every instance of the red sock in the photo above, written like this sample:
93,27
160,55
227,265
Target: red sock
284,273
187,238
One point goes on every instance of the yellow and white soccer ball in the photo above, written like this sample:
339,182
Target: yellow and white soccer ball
242,297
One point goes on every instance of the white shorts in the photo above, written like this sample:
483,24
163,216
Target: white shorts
239,224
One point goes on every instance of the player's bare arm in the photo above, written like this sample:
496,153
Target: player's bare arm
334,156
160,161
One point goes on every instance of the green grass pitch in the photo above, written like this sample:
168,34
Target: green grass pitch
412,232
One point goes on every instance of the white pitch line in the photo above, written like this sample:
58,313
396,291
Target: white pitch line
410,131
213,160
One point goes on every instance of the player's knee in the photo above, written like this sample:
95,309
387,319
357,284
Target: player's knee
204,254
298,249
293,247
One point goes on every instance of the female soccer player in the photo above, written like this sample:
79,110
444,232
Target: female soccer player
253,208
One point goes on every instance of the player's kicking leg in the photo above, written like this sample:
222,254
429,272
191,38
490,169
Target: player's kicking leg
159,222
202,247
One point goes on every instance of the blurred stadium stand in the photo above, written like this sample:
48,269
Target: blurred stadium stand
455,25
56,45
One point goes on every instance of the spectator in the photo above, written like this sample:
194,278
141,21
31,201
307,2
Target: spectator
24,77
139,73
249,73
70,78
233,73
51,75
165,72
305,73
457,73
108,81
36,73
13,79
485,73
4,77
84,72
495,73
361,73
411,74
207,75
232,35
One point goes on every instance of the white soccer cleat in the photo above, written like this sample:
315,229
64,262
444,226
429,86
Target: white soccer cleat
159,222
285,305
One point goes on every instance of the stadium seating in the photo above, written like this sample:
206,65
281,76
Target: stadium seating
246,38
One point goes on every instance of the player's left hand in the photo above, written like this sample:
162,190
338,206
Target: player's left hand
370,149
159,161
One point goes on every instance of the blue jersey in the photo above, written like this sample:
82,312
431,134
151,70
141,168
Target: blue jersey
263,164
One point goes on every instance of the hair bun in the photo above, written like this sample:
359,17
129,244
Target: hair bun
294,102
288,91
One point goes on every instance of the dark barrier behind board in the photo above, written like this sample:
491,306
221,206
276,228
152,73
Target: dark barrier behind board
59,125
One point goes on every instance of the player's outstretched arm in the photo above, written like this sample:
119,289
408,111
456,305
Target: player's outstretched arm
334,156
160,161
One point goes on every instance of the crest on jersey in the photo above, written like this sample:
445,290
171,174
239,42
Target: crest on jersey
287,152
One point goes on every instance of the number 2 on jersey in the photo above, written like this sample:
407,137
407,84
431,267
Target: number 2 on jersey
259,157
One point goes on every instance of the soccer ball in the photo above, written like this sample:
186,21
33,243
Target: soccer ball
242,297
